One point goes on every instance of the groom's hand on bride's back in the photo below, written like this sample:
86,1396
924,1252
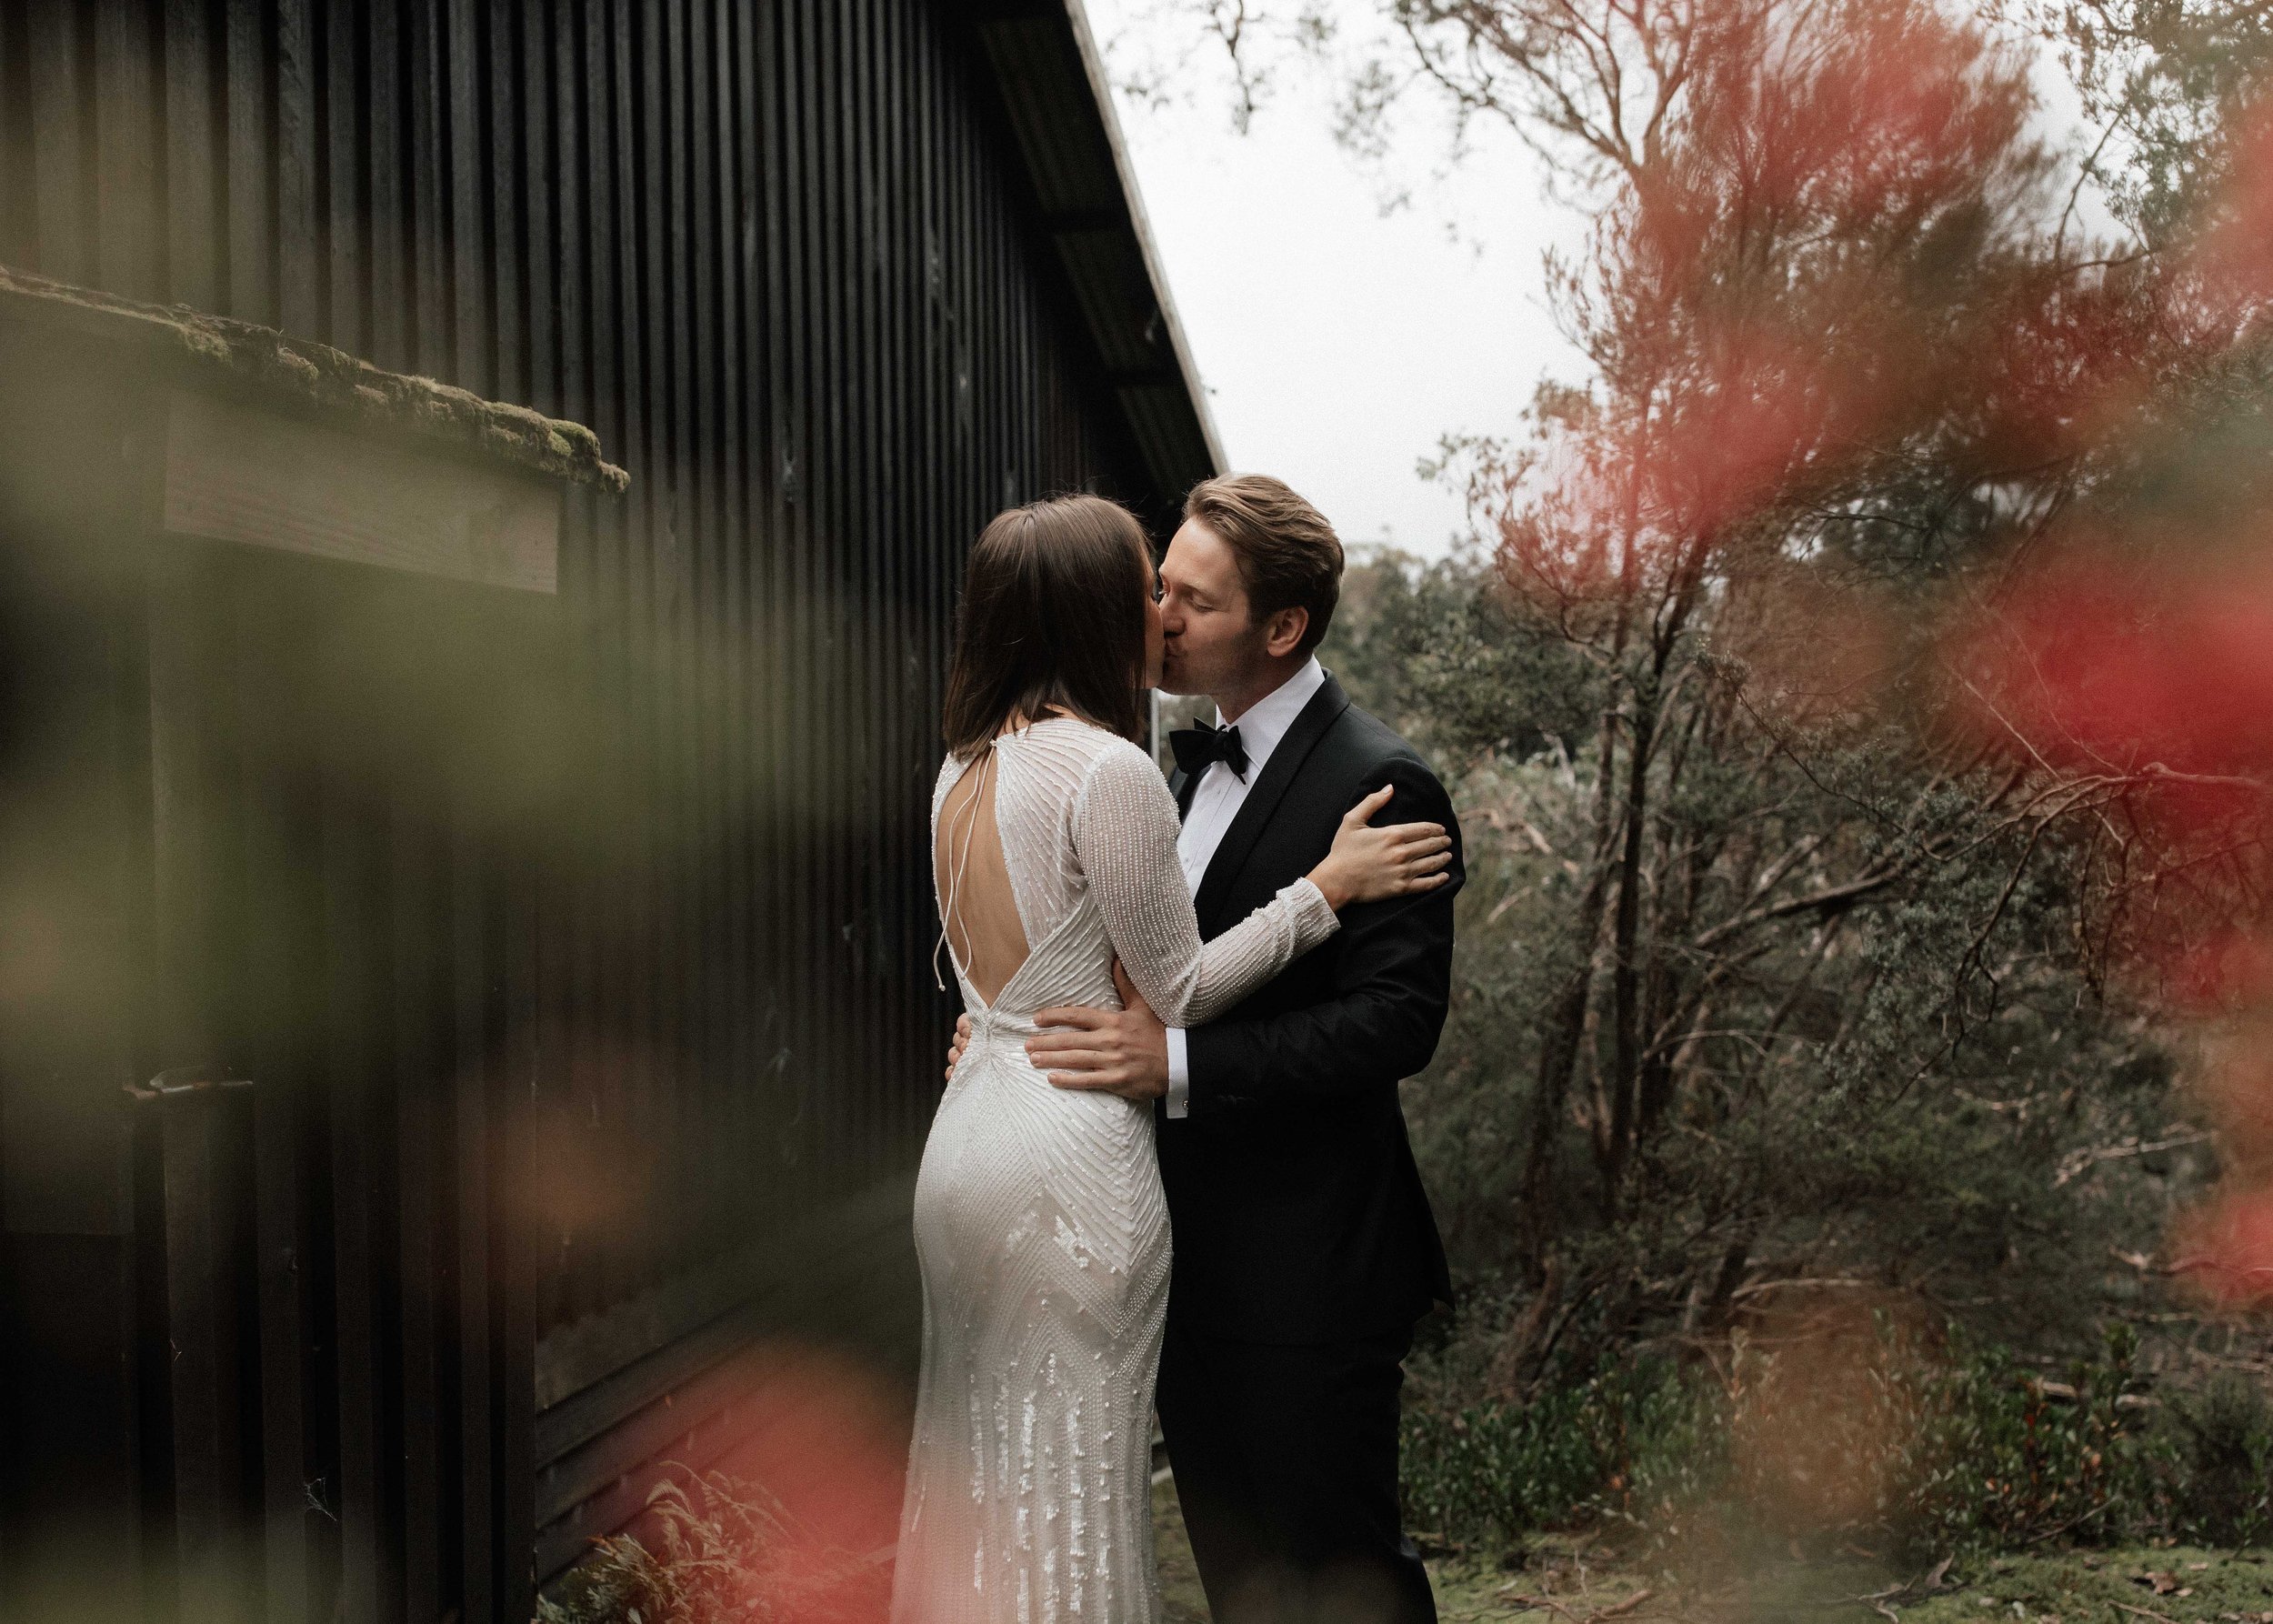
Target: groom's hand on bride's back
1120,1051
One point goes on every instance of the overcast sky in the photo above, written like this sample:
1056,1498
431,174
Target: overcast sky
1337,343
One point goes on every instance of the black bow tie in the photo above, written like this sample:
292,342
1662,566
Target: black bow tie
1195,746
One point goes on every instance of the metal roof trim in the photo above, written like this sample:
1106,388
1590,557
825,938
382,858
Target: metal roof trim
1101,95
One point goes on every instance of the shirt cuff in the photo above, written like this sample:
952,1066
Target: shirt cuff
1179,1074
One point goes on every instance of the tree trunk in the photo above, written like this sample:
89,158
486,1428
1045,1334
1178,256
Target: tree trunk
1625,972
1564,1026
1512,1359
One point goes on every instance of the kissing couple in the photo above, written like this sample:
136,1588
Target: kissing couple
1190,1003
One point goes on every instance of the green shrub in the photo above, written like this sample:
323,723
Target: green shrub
1997,1459
1486,1473
1917,1451
2221,1440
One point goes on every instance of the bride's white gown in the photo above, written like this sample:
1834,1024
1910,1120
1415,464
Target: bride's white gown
1039,1220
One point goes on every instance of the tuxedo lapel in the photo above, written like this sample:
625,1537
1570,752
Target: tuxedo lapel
1181,785
1270,787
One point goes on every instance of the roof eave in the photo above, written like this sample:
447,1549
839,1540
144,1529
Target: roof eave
1101,91
1057,103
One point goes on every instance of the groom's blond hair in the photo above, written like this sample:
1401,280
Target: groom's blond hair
1289,556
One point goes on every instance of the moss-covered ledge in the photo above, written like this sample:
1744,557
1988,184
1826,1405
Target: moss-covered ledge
290,373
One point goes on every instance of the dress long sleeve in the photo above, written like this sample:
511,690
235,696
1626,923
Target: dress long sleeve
1124,836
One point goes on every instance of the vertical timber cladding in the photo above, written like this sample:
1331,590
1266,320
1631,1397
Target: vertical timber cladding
835,280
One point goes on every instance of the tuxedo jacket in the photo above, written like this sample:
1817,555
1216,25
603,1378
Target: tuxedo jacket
1298,1211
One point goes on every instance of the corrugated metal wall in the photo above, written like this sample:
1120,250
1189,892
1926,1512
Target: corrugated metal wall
776,255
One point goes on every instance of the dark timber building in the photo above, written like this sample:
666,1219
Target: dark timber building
463,907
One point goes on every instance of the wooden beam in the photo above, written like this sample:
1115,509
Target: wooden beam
239,474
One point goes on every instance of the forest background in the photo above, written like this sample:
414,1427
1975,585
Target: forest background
1856,1113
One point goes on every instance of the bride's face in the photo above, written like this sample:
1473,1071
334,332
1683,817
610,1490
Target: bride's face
1155,640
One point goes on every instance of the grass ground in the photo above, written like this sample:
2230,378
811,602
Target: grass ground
1563,1580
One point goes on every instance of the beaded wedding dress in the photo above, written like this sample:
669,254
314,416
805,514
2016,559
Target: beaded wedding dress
1039,1220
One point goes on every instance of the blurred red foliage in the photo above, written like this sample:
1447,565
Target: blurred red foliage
791,1518
1830,271
2126,660
2227,1250
2117,664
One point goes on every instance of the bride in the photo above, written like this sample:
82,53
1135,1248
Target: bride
1039,1221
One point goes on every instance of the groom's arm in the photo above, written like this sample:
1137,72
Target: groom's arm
1392,983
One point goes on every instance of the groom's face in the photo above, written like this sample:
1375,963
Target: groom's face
1211,643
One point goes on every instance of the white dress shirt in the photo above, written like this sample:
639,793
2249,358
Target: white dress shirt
1215,802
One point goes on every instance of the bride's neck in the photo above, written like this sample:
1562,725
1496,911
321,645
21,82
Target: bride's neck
1018,720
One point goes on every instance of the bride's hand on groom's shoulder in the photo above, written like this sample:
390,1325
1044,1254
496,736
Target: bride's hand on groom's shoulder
1120,1051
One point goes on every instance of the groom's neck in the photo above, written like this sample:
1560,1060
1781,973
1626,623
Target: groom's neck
1259,681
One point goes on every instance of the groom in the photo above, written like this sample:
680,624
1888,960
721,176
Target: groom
1304,1248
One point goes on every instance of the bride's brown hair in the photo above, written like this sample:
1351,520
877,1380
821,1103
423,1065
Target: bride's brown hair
1053,614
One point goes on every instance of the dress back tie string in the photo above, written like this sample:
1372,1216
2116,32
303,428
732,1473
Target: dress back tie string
956,862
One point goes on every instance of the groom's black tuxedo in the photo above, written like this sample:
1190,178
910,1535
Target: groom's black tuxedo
1304,1248
1298,1214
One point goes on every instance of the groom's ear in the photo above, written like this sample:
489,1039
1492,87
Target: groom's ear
1282,632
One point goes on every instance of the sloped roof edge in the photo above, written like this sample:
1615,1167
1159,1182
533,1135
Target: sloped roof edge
1101,88
1050,79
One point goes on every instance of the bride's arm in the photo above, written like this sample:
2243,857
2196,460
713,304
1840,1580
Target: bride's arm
1125,830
